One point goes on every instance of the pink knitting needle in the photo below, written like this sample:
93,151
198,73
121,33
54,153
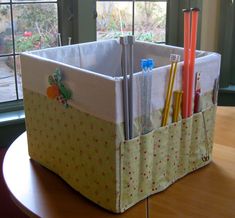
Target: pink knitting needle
195,12
185,76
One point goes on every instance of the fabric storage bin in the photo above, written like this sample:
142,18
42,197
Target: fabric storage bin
84,144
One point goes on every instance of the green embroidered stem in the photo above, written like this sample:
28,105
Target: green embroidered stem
57,89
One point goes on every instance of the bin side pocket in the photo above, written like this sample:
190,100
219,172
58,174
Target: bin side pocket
152,162
147,163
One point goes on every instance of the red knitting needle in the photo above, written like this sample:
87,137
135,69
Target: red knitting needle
185,76
195,12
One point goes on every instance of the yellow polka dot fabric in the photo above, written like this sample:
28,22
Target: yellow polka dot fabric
152,162
78,147
90,154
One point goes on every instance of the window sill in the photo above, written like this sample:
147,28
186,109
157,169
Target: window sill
230,89
11,118
16,117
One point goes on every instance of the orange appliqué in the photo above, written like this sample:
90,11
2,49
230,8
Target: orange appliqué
53,91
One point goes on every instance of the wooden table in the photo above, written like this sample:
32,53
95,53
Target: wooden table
208,192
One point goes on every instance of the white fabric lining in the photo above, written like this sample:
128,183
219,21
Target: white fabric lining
89,90
97,88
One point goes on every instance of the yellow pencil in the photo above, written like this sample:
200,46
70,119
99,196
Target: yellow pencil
164,118
177,104
173,71
176,99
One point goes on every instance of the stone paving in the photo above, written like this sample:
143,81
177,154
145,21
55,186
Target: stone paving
7,83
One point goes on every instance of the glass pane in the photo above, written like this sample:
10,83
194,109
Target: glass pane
19,77
1,1
36,26
114,19
150,21
6,45
7,79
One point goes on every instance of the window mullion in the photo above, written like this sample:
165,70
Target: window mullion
133,18
225,42
233,51
14,49
172,23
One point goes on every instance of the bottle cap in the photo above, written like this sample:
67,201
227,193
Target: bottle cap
150,63
186,10
143,63
195,9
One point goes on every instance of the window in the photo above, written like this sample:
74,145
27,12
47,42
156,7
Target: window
24,25
144,19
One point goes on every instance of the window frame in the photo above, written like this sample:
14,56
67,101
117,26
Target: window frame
17,104
72,13
133,10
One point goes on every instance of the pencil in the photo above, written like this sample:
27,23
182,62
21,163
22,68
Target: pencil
124,43
177,104
131,41
165,112
196,102
69,40
173,70
197,92
59,42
